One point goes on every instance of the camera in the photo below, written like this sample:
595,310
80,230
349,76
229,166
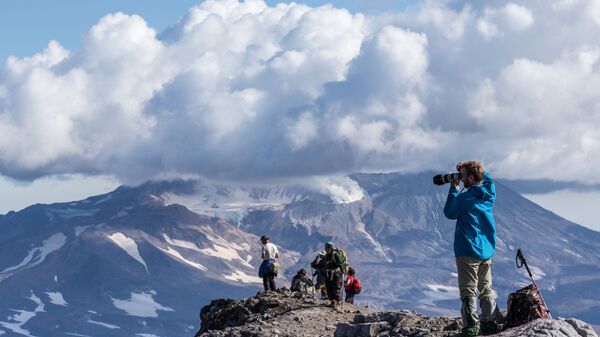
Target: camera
442,179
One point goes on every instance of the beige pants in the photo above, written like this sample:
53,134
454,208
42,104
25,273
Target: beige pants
475,276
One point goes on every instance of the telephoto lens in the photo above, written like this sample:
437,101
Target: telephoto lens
442,179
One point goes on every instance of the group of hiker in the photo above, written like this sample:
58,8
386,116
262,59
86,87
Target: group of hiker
329,268
474,246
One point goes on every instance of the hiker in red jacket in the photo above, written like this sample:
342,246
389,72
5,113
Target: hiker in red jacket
352,286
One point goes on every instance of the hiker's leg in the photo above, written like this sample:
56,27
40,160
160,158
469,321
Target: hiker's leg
266,282
272,282
324,295
338,287
467,284
487,302
330,286
350,297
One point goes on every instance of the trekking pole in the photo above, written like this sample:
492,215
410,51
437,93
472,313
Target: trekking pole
520,261
312,278
342,291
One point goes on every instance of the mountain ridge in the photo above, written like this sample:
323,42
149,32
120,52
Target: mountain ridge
106,254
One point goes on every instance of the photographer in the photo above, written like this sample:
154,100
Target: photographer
474,244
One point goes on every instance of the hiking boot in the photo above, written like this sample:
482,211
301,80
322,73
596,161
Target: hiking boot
489,328
469,332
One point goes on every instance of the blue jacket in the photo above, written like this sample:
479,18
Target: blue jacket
475,234
265,268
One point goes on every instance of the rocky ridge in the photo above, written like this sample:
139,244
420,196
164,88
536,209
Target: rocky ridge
287,314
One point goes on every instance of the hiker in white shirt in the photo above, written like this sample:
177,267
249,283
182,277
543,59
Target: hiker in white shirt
268,268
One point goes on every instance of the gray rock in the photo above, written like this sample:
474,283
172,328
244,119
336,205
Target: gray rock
551,328
361,329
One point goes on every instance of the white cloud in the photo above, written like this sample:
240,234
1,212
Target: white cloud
245,91
517,17
302,131
340,189
511,16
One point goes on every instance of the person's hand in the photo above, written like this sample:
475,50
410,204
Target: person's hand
455,184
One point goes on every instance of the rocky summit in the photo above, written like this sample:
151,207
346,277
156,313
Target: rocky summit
289,314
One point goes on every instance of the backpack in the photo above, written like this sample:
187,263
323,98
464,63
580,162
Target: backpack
274,267
356,286
525,305
343,259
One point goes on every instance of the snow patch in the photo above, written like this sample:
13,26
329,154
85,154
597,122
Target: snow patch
179,257
121,214
226,253
106,325
129,246
69,213
231,202
106,198
220,241
360,227
538,274
242,277
439,292
146,335
181,243
36,255
57,298
15,322
140,304
81,229
568,251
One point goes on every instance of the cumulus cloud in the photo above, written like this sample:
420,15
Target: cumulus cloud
245,91
510,16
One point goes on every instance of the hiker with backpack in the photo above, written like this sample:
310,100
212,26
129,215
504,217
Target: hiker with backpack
268,268
474,244
301,282
352,285
318,264
335,266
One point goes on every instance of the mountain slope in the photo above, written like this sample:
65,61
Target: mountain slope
141,260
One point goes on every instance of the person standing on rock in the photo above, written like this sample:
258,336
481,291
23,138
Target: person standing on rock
334,275
318,264
474,244
268,268
352,286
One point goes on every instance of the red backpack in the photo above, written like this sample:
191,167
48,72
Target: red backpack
356,286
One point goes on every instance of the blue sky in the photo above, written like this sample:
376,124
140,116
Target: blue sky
384,86
26,26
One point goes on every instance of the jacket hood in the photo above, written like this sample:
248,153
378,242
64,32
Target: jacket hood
484,190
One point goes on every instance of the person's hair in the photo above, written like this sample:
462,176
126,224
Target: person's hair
474,169
351,271
302,271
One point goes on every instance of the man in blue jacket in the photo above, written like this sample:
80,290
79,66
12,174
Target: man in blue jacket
474,244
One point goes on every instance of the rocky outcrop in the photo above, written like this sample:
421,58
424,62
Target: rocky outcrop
286,314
